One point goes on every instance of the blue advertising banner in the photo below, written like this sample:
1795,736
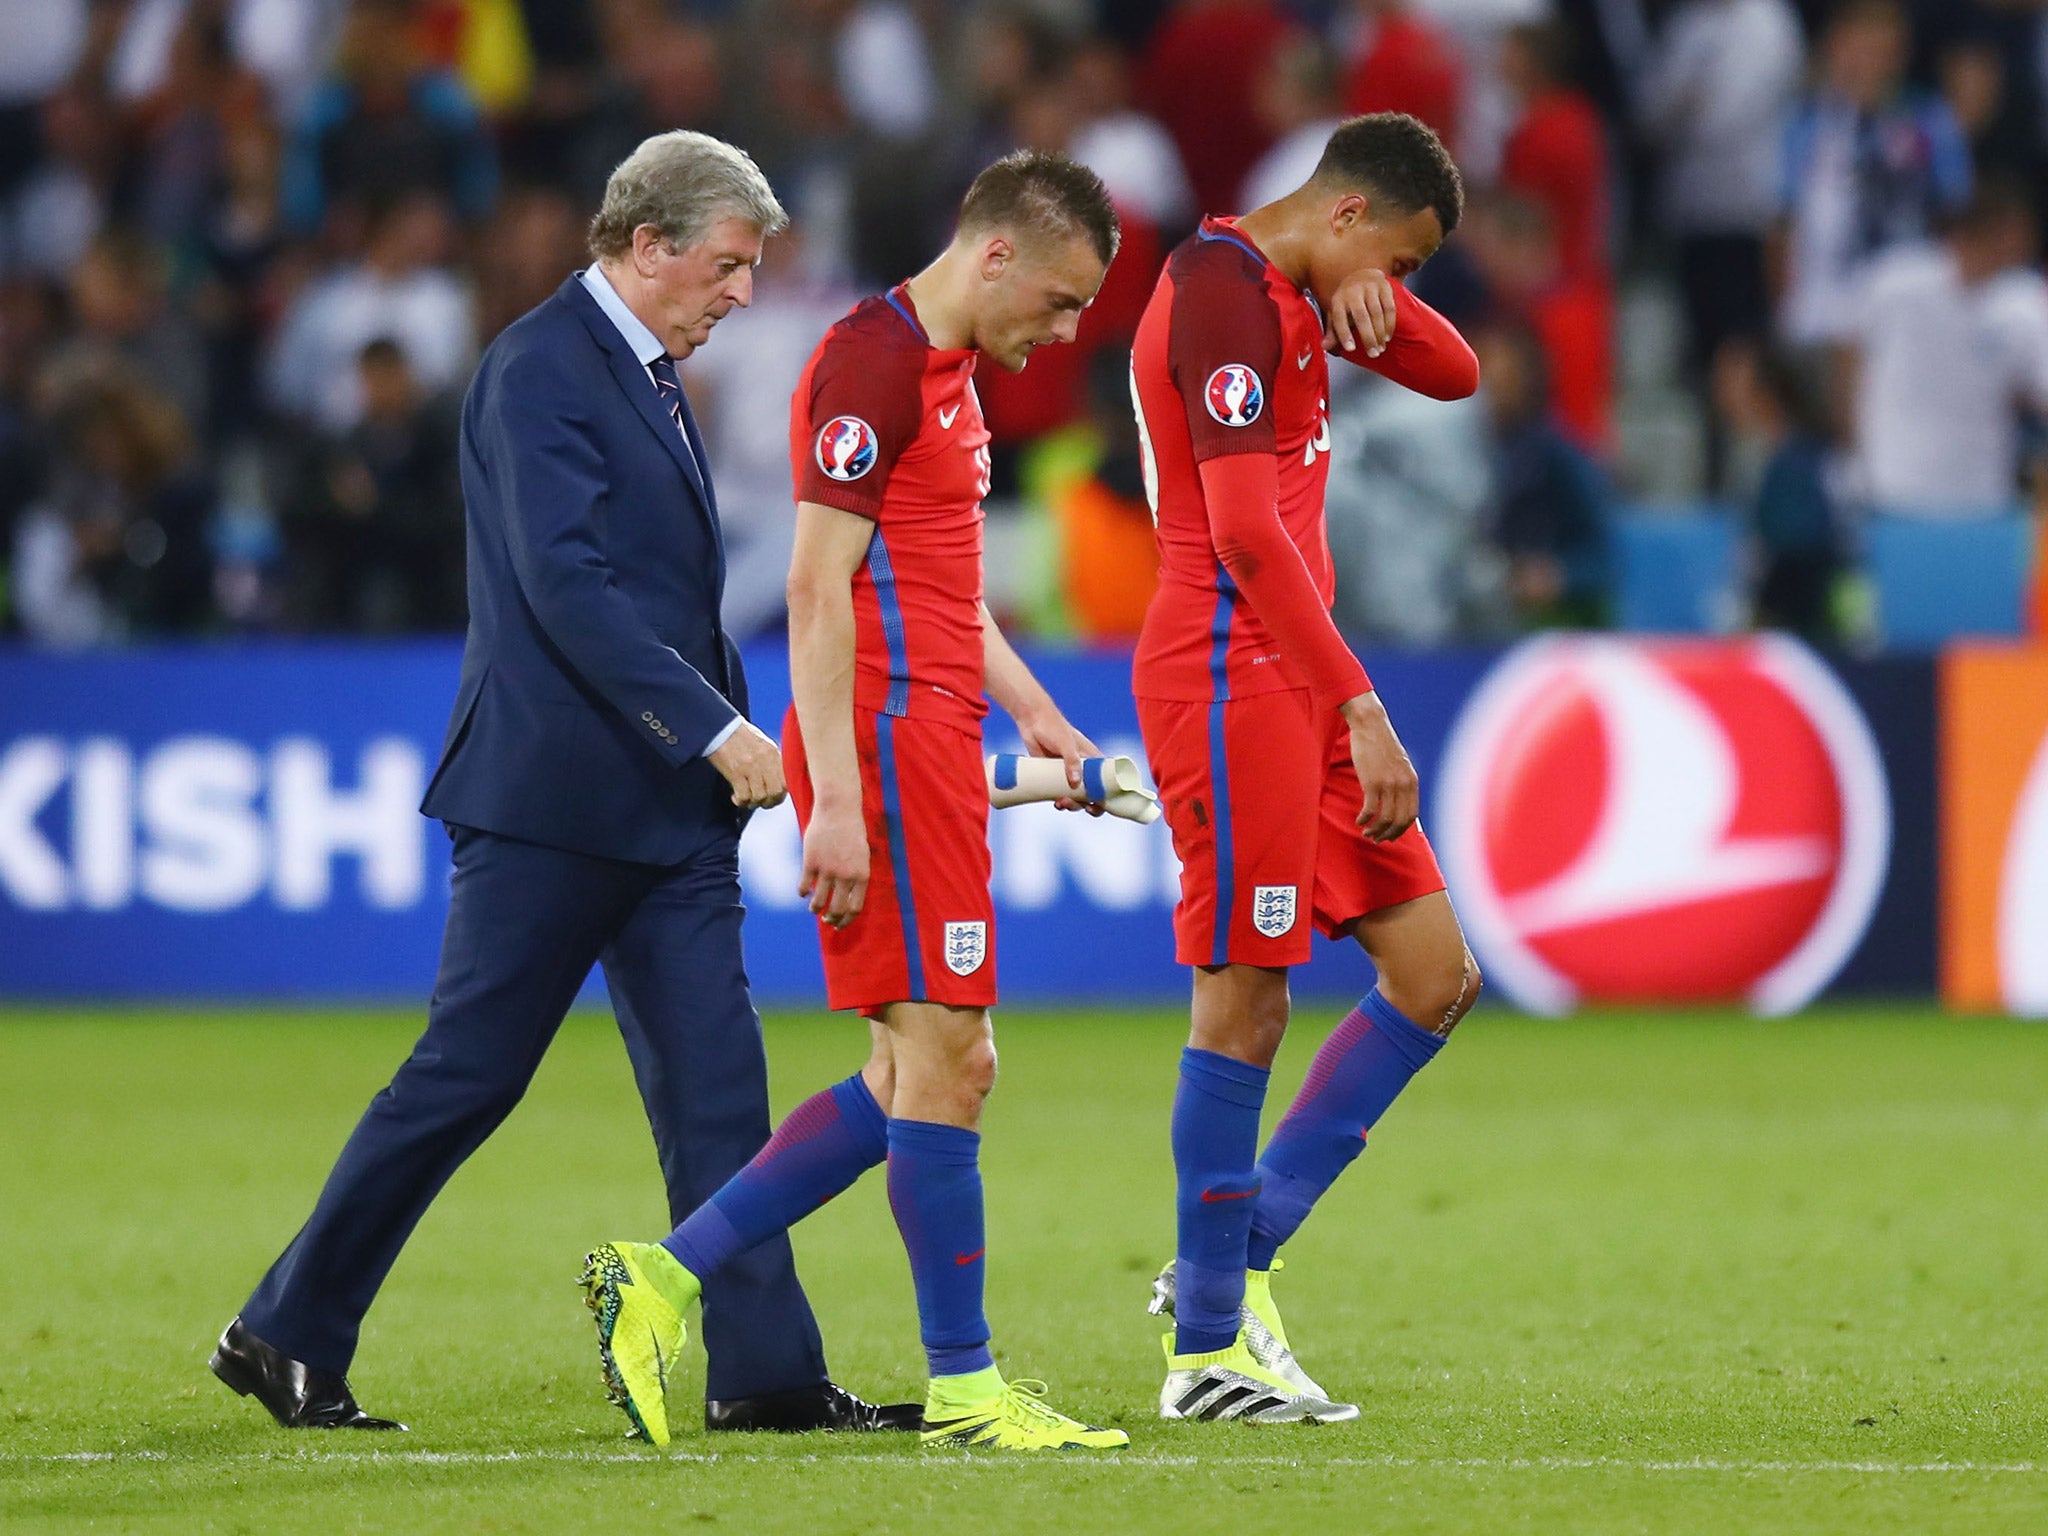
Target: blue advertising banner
1620,819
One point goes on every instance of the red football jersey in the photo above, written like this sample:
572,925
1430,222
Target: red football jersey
1228,359
1229,362
886,426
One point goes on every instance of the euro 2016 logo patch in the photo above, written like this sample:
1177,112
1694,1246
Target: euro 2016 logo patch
966,947
1235,396
847,448
1273,909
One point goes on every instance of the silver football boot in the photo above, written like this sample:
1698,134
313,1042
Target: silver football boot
1264,1334
1230,1384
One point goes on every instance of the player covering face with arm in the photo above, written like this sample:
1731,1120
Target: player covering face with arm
1289,795
891,651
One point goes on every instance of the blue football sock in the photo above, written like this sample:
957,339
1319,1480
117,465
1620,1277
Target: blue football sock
1360,1070
935,1191
1215,1139
828,1141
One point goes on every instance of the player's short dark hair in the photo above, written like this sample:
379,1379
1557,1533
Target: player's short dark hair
1398,161
1045,194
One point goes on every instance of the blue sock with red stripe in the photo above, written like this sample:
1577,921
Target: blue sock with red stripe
935,1191
1361,1069
1215,1143
828,1141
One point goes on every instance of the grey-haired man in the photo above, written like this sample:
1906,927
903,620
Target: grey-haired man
597,771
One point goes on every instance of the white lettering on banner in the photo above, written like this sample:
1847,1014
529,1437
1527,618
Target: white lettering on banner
380,822
191,827
30,871
208,848
1038,848
103,824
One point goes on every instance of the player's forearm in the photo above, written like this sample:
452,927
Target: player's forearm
1426,353
821,642
1242,491
1006,677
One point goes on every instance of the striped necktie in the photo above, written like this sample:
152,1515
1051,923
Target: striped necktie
670,388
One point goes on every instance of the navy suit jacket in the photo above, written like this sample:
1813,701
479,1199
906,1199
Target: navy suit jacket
596,670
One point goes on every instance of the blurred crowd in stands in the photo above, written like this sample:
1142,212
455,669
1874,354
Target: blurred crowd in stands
1778,257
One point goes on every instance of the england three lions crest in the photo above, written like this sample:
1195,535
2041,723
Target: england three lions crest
1273,909
966,947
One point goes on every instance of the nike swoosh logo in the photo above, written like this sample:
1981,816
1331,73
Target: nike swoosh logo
965,1259
946,417
1301,362
1215,1196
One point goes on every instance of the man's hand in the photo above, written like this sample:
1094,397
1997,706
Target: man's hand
1051,734
1393,794
752,766
835,878
1361,314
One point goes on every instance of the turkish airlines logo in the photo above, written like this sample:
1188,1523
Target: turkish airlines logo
1672,821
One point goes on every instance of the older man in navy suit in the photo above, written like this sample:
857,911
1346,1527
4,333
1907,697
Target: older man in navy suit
598,768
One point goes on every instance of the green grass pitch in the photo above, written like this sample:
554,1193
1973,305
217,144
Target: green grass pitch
1653,1274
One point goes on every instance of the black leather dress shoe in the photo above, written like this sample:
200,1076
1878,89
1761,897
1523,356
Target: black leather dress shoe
825,1406
297,1395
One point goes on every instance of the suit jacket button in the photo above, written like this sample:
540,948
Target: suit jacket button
647,715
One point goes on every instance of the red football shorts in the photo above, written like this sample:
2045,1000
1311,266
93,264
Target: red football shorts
1262,801
927,932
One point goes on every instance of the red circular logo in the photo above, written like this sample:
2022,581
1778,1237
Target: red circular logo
1667,821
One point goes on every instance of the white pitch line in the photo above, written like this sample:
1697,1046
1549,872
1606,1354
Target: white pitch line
1121,1459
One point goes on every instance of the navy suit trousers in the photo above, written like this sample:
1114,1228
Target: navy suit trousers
525,925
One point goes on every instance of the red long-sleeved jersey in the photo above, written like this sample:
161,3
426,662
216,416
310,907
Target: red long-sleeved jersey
1231,386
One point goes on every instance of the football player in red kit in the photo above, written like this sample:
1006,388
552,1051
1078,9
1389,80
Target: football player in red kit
891,649
1291,801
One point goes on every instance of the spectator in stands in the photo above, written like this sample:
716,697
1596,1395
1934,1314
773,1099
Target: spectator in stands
241,248
386,125
1511,245
535,236
1549,504
1109,560
1870,163
116,548
1720,88
1951,350
1200,79
41,46
373,524
285,43
662,72
123,317
1298,105
1401,62
402,289
61,203
1766,397
1556,152
1976,82
1132,153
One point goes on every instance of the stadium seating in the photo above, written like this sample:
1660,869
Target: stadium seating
1937,579
1678,569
